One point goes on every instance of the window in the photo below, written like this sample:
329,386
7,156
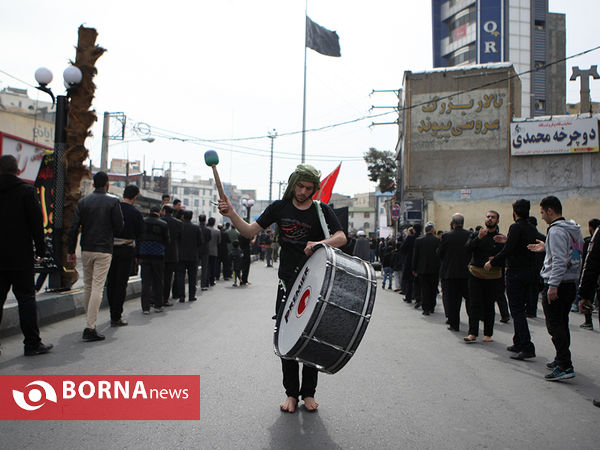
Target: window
540,105
539,64
366,225
174,190
539,25
196,202
186,202
366,215
462,55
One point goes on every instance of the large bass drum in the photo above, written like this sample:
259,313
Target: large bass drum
327,310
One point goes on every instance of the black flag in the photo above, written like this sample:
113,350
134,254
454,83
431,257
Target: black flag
321,39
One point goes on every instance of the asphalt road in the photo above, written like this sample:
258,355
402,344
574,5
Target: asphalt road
412,383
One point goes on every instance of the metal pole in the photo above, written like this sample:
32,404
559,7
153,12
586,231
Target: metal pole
60,138
104,151
272,136
304,95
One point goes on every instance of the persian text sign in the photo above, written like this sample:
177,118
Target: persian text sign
100,397
467,121
557,136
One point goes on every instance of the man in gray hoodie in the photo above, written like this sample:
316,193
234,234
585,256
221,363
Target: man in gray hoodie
560,273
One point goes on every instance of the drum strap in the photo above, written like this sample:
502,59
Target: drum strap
317,204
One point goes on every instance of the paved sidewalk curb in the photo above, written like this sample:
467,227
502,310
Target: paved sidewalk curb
53,307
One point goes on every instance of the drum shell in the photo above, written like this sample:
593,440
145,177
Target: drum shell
341,315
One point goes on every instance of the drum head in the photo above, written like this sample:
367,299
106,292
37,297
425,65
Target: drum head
302,300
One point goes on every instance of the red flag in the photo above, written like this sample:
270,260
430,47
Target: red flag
324,194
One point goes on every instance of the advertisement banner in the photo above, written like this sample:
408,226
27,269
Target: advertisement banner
490,32
29,155
550,137
100,397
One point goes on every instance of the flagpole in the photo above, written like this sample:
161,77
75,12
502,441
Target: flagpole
304,95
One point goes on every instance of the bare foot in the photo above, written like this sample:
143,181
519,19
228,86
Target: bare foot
310,403
289,405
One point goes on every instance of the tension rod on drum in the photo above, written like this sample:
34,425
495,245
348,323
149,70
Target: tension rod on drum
319,341
356,313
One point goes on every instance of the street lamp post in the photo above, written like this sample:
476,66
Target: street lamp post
248,203
72,77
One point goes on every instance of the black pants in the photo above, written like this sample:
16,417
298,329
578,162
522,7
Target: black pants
117,278
153,273
22,285
408,282
518,284
191,268
245,266
454,290
205,270
501,300
557,321
169,272
213,269
225,262
428,283
482,298
534,294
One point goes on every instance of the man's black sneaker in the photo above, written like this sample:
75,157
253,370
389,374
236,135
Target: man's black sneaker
118,323
552,365
596,402
587,326
182,300
505,320
90,335
193,299
523,355
560,374
513,348
168,303
39,349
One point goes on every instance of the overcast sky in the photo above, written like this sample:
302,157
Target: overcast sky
234,69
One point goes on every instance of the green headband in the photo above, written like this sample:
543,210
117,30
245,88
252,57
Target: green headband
303,172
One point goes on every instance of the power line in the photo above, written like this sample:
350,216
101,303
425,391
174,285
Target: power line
187,138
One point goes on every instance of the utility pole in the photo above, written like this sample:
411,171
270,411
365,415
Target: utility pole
272,135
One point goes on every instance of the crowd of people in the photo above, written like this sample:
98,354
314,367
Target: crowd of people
485,267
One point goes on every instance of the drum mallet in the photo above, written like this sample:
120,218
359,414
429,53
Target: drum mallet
211,158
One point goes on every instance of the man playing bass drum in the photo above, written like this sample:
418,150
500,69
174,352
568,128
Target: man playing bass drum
299,231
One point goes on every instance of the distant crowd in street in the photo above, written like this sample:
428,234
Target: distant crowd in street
485,267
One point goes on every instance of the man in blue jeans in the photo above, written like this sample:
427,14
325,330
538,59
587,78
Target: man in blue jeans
564,245
520,275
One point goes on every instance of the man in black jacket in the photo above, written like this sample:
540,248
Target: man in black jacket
426,267
520,275
171,253
408,279
589,279
17,237
189,247
150,251
123,256
99,216
484,287
454,271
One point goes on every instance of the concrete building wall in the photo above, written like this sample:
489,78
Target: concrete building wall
456,136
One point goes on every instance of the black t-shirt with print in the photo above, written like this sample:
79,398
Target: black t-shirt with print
296,228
